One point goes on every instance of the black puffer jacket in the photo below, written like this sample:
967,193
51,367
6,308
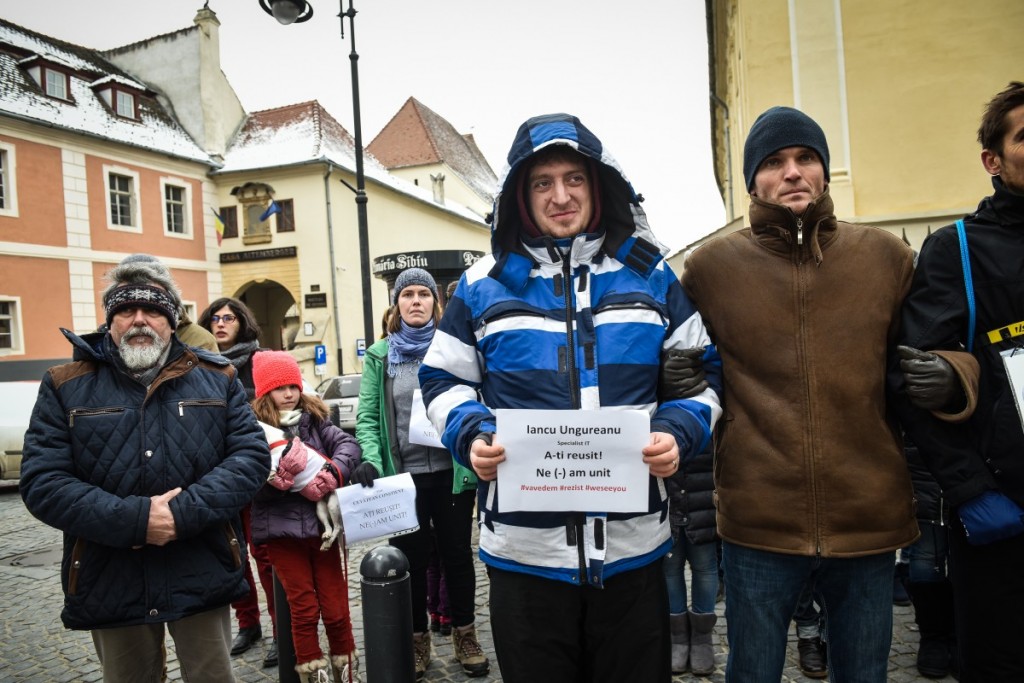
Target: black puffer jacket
99,445
691,503
931,506
984,453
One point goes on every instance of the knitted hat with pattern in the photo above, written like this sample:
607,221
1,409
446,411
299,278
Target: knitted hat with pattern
273,369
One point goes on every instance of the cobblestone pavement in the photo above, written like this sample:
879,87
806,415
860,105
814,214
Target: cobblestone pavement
36,647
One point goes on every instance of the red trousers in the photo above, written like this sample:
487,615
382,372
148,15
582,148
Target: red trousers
247,609
316,588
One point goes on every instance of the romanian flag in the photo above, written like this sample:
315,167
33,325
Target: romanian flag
271,210
219,224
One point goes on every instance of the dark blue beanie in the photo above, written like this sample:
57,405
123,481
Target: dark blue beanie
776,129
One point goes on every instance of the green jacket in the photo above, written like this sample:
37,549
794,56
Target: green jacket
376,416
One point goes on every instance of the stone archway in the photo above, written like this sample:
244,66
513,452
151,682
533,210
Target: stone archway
269,301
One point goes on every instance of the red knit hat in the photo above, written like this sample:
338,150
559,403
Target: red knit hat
273,369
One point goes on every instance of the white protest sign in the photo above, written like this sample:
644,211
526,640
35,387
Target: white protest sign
420,429
1013,361
581,460
388,508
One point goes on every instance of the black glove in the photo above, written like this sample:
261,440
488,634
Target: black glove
682,374
364,474
932,384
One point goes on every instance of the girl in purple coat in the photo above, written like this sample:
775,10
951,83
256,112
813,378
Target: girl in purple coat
314,580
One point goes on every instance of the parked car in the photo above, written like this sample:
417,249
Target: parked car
17,400
341,394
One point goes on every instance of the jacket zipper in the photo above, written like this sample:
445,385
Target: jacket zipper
198,402
83,412
801,313
799,231
570,344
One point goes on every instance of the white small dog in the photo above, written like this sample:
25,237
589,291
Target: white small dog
298,468
328,511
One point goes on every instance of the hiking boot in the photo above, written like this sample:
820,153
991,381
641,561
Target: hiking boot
813,657
468,651
421,652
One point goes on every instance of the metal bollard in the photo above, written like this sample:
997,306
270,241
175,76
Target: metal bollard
285,647
387,616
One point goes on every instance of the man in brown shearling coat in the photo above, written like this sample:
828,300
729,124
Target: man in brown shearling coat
810,476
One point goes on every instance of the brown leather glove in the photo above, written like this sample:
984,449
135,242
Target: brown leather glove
682,374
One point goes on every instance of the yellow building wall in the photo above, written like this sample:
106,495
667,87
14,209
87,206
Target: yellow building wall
918,77
902,82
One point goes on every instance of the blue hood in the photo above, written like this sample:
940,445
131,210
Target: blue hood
623,226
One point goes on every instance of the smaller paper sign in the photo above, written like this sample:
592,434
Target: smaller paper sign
388,508
420,429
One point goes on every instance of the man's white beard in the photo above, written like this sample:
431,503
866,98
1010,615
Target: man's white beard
142,357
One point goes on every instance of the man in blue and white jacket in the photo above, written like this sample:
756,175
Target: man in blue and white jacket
572,310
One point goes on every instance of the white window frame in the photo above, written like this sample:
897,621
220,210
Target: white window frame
9,180
17,328
65,83
136,212
129,102
169,181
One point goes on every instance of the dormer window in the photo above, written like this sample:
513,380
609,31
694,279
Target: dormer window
120,94
125,105
56,83
51,74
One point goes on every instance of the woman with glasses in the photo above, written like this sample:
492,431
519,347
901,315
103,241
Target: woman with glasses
234,327
237,333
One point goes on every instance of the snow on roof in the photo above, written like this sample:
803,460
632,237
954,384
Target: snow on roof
85,112
306,133
114,78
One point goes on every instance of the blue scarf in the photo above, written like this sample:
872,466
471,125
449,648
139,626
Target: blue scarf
408,344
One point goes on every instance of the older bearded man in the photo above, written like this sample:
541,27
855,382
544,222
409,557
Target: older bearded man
142,451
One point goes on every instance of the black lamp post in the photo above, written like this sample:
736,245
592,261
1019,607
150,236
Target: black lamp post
297,11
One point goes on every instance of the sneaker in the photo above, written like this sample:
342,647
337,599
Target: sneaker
468,651
445,626
421,652
435,622
813,657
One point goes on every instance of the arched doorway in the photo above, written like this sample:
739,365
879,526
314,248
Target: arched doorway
270,301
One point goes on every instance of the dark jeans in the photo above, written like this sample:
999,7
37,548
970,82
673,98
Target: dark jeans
452,517
929,554
761,593
546,630
988,593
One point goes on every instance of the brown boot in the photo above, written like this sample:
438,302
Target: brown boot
421,652
468,651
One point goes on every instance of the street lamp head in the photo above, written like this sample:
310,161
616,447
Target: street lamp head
288,11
